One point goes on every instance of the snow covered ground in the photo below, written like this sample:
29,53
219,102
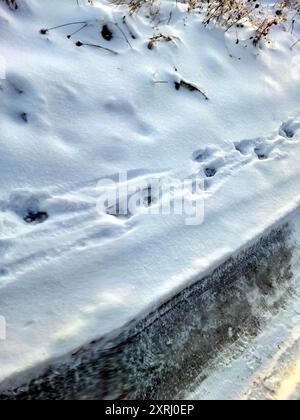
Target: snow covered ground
74,115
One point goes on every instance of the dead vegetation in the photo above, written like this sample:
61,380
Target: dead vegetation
191,87
158,38
230,13
134,5
12,4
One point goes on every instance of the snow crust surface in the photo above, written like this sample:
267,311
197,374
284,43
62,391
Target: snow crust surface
71,116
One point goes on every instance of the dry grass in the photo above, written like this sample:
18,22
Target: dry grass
230,13
12,4
134,5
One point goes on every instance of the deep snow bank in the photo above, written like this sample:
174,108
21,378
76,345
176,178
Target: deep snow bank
71,116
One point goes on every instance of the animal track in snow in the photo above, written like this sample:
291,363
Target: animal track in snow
36,217
203,154
216,164
74,223
139,198
268,147
289,128
210,172
260,148
18,101
28,206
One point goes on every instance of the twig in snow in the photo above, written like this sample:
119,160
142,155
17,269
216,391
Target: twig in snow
295,43
238,20
133,36
44,31
190,87
78,30
82,44
122,32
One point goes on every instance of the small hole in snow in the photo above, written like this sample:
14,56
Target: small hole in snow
260,154
201,155
36,217
288,132
24,117
177,85
149,198
210,172
107,33
239,148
